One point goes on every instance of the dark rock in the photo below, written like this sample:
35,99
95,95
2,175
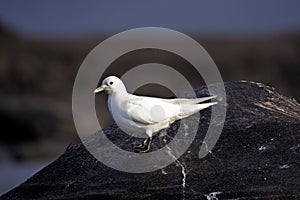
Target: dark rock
256,157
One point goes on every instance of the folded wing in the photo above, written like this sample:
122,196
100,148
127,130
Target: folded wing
150,110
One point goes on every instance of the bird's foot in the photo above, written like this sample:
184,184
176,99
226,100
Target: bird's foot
144,149
141,148
138,147
142,145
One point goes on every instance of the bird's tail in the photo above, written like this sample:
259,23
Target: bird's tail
191,101
190,109
200,100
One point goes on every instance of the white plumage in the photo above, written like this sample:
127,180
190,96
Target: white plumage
146,115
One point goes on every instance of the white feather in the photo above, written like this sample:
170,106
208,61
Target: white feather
148,115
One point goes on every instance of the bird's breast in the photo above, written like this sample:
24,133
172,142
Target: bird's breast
116,109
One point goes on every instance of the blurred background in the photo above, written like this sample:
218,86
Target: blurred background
43,43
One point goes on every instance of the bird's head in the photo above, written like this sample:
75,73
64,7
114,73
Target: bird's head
111,84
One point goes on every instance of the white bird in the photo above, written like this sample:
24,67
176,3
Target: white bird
146,115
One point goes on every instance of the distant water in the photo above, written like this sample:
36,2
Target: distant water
13,173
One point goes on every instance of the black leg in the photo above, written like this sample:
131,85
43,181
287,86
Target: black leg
148,146
140,147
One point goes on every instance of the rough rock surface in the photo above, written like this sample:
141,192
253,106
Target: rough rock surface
256,157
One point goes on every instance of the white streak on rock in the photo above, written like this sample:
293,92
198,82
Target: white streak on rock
183,172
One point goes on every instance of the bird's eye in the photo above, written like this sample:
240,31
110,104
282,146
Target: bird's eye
110,83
